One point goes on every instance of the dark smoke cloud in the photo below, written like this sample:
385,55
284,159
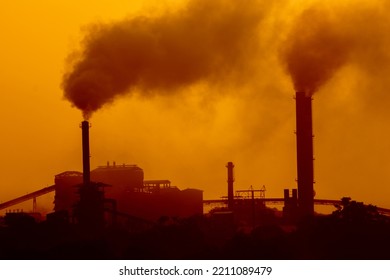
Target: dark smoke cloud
315,48
206,41
324,38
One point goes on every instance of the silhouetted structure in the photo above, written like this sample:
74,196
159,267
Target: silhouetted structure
230,181
249,206
89,208
65,190
145,199
158,198
86,155
19,219
122,178
290,208
304,134
26,197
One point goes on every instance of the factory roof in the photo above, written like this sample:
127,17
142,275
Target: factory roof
69,174
116,167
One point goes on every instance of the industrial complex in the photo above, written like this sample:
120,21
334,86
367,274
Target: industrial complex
117,197
115,193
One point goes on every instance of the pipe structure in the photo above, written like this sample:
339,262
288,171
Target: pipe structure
305,169
86,155
230,181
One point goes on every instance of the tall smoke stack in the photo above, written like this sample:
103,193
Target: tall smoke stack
86,156
230,181
304,132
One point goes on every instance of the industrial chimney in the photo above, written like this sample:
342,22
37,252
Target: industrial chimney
89,210
304,132
230,181
85,142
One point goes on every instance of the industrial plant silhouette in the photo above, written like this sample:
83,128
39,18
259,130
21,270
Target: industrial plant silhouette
111,212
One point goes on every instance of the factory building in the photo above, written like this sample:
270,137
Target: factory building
134,196
65,190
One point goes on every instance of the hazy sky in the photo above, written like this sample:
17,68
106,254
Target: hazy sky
245,116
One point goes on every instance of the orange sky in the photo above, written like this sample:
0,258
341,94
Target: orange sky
189,137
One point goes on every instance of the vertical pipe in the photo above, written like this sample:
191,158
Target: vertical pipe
86,155
253,207
286,195
230,181
304,133
295,195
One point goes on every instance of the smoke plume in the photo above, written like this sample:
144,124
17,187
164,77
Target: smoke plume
325,38
315,48
206,41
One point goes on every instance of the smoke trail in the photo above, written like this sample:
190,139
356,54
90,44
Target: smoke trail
206,41
325,38
315,48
